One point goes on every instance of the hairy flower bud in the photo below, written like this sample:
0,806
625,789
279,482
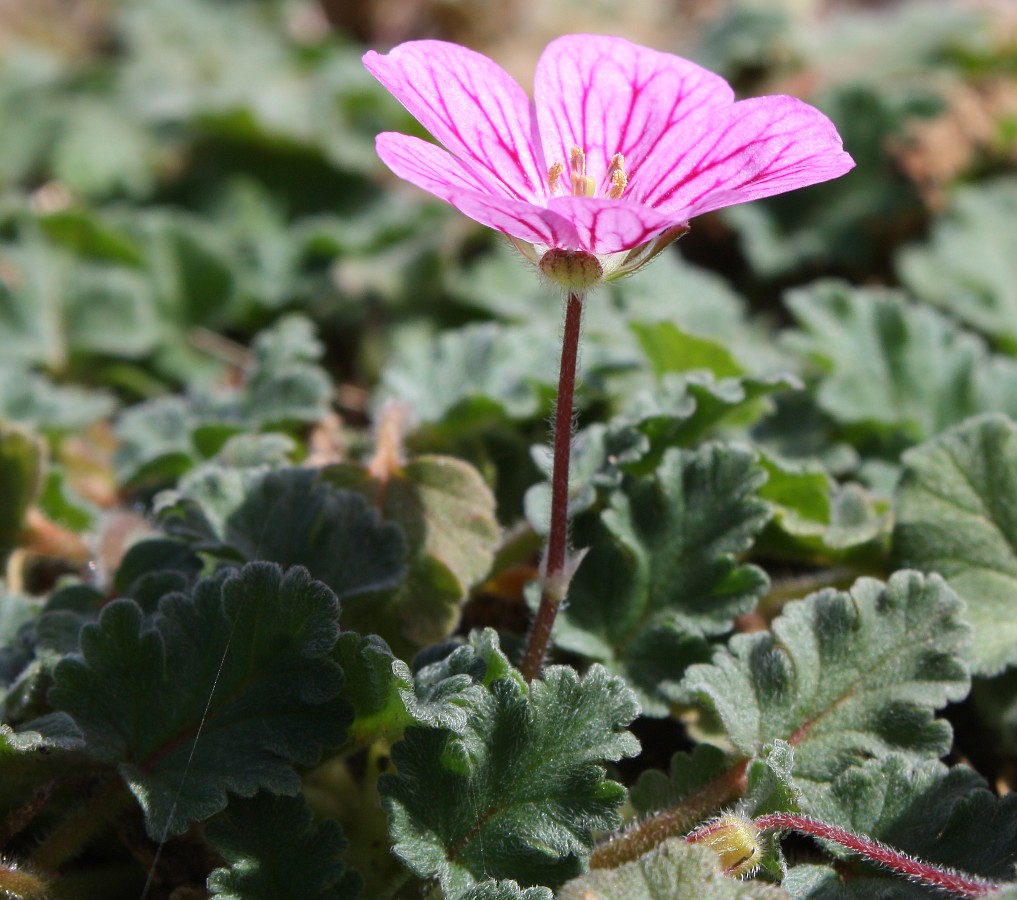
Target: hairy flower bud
576,271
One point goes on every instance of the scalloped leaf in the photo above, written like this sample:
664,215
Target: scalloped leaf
893,369
447,513
967,266
228,689
955,516
663,574
817,519
291,516
476,373
518,790
274,849
504,890
675,870
947,816
844,677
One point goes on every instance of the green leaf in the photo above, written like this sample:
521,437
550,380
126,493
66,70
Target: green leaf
948,817
954,517
274,850
669,349
228,688
518,791
375,684
675,870
688,772
663,574
292,517
844,677
475,374
447,514
967,267
818,519
504,890
31,399
894,370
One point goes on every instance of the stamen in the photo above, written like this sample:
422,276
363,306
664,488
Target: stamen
553,174
617,177
582,184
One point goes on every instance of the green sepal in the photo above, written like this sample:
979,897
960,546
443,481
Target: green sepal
844,677
227,689
275,850
518,790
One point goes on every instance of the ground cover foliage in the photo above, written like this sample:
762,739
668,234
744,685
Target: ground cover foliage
273,482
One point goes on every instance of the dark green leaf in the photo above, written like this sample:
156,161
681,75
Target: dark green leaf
663,573
230,686
275,850
517,792
21,466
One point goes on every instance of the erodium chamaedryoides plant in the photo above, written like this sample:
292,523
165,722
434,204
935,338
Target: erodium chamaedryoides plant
619,148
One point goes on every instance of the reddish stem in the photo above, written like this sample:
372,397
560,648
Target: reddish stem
556,577
946,879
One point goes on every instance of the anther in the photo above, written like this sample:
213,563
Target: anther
582,184
617,177
553,174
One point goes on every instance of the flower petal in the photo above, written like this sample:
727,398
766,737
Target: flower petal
436,170
608,226
606,95
754,148
473,106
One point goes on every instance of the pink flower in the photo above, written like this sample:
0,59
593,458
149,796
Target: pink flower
620,147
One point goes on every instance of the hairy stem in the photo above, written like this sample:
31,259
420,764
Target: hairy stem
556,574
91,818
674,821
943,878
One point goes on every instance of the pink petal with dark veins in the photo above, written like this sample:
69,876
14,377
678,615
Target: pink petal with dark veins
607,95
473,107
437,171
608,226
752,149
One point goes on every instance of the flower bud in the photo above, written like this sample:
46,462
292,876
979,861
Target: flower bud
734,839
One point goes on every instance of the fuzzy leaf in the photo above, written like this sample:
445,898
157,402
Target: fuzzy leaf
518,790
673,871
376,683
663,574
817,518
504,890
470,375
894,369
290,516
844,676
688,772
669,349
229,687
274,849
955,516
968,266
447,514
948,817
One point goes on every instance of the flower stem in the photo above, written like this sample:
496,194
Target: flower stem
556,576
943,878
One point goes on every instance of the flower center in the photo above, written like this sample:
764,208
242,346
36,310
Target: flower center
582,184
